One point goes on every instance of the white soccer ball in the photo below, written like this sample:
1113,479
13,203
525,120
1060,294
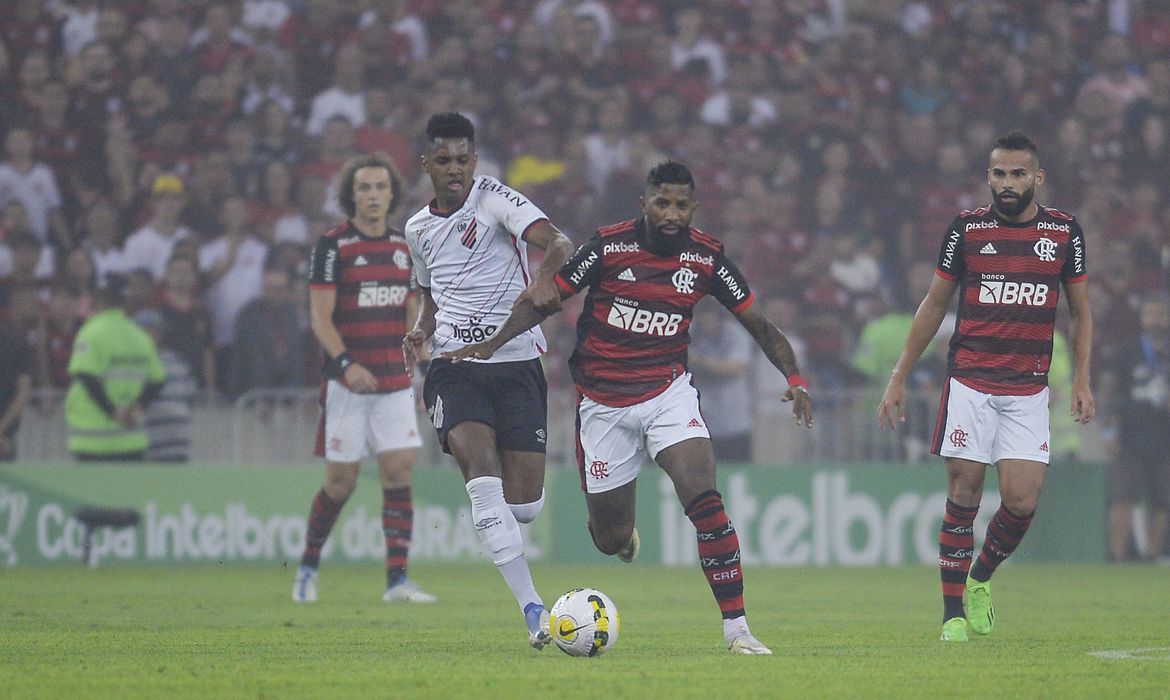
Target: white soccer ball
584,622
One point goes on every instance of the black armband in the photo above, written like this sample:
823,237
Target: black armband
342,362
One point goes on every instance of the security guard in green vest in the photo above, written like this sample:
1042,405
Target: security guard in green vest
116,372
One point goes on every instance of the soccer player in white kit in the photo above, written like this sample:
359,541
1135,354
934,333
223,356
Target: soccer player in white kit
469,249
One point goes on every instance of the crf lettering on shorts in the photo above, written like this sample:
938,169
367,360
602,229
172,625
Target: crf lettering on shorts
958,437
645,321
1013,293
599,469
374,294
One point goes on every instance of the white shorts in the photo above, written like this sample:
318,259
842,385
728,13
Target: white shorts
354,425
985,428
616,442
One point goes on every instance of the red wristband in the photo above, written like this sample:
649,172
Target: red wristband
796,381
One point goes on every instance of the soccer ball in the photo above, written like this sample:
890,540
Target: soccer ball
584,622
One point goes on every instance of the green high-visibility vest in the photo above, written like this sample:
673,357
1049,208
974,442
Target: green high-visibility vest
122,356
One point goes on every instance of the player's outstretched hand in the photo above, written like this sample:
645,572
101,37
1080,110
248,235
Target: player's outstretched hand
478,351
544,295
412,349
801,406
892,407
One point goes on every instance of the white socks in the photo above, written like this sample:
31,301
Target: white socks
735,627
496,527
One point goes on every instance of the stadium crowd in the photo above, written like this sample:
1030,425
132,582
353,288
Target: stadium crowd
191,144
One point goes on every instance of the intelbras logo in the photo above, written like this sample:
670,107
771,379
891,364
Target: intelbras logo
1049,226
612,248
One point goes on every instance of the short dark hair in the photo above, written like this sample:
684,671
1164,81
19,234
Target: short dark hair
450,125
1017,141
669,172
372,160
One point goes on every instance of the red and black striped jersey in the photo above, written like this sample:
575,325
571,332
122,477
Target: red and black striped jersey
1009,278
633,332
372,279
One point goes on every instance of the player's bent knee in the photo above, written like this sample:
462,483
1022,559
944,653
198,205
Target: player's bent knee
527,512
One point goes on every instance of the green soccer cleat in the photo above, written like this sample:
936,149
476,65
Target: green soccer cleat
954,630
980,613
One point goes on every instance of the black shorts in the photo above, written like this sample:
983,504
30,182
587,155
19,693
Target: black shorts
511,397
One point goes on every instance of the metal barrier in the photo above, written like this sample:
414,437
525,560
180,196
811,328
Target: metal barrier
279,426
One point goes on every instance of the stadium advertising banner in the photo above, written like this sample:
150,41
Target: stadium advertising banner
785,516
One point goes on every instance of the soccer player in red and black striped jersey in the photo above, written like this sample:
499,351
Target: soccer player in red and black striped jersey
1009,261
636,402
360,305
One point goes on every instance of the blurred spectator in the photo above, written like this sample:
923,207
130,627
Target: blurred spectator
168,417
269,350
345,97
33,184
24,259
15,386
720,359
233,270
100,234
151,246
691,45
79,274
186,323
1139,469
139,291
54,337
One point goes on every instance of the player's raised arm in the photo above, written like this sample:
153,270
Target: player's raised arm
779,352
930,314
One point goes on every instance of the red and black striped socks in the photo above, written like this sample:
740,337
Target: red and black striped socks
322,515
1004,533
956,546
397,526
718,552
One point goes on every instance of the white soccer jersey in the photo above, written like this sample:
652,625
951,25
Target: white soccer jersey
475,262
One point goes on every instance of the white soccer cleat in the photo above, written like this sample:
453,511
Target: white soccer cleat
630,552
538,630
407,590
305,585
747,644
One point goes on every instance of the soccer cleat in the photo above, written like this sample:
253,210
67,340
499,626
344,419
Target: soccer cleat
630,552
407,590
538,631
954,630
980,613
747,644
305,585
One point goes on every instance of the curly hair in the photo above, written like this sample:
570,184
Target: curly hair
669,172
345,180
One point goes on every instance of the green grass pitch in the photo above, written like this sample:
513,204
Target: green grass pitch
199,632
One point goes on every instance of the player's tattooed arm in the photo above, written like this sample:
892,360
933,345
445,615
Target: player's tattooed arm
780,353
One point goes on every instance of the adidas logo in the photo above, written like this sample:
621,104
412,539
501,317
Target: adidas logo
627,275
987,250
694,423
360,260
1044,447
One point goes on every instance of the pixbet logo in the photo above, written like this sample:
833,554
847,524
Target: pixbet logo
689,257
611,248
1011,293
645,321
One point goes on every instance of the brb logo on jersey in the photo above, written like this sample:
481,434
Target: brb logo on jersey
627,316
992,290
1045,249
684,280
373,294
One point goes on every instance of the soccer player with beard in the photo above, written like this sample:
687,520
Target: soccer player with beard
636,402
469,247
1008,260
